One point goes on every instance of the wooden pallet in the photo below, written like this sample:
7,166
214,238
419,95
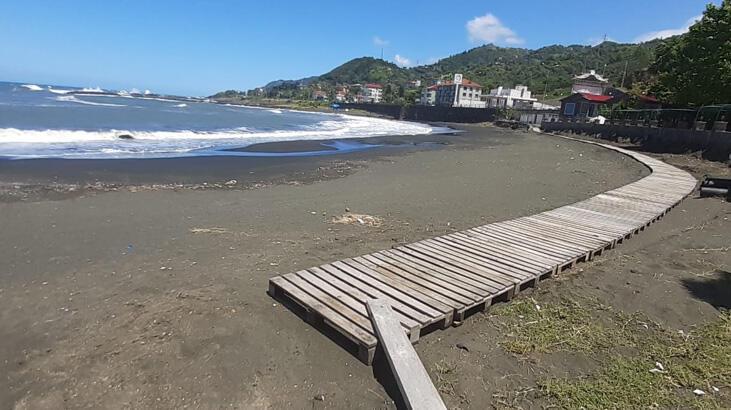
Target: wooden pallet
437,282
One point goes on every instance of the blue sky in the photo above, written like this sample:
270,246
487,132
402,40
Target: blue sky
197,47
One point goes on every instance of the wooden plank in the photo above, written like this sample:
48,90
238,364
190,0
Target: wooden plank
496,238
345,325
374,289
413,381
351,296
457,273
434,280
519,273
440,302
493,253
484,274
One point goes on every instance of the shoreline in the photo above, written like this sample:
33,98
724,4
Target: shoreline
293,162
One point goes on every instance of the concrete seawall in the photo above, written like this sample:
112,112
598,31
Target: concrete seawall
428,113
714,145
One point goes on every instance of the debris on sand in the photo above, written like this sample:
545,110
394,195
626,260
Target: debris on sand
214,230
357,219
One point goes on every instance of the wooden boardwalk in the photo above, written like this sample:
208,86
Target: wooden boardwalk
435,282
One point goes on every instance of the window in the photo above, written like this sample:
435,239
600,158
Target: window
464,94
569,108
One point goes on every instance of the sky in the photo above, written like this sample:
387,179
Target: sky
199,47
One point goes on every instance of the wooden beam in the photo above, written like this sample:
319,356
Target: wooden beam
413,381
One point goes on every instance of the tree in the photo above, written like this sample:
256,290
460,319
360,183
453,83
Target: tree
695,68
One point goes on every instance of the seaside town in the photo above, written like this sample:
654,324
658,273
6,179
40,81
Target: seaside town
592,98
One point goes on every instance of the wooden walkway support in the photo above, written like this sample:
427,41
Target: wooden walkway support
413,381
435,282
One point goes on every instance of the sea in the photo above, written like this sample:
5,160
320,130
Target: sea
46,121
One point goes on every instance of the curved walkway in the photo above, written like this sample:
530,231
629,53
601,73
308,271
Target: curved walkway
435,282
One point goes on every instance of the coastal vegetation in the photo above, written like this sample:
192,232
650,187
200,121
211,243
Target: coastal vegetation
695,68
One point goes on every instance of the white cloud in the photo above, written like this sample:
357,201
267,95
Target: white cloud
489,29
379,42
668,32
402,61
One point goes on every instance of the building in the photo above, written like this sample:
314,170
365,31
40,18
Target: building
583,105
319,95
371,93
341,94
428,95
518,97
590,83
459,93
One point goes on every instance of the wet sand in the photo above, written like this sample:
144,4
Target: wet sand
152,293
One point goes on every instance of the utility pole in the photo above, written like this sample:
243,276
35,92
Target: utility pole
381,53
624,74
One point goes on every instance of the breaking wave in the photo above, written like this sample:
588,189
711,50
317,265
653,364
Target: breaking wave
71,98
32,87
16,143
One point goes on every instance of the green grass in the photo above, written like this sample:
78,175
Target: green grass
630,345
566,325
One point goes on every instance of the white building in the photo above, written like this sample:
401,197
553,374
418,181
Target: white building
459,93
428,95
590,83
518,97
371,93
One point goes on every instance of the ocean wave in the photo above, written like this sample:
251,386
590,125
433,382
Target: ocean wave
32,87
92,90
275,111
154,144
71,98
57,91
180,105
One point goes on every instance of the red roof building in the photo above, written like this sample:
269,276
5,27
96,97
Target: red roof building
582,105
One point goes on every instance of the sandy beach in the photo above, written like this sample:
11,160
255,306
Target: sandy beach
142,283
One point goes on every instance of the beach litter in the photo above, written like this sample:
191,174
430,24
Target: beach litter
214,230
357,219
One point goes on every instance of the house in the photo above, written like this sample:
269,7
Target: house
428,95
371,93
583,105
518,97
319,95
590,83
459,93
341,93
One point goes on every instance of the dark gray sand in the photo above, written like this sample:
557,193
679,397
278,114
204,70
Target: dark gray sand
148,297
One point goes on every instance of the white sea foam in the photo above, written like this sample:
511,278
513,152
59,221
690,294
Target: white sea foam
58,91
180,105
92,90
276,111
71,98
107,144
32,87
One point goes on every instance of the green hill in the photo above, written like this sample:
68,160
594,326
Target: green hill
549,68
